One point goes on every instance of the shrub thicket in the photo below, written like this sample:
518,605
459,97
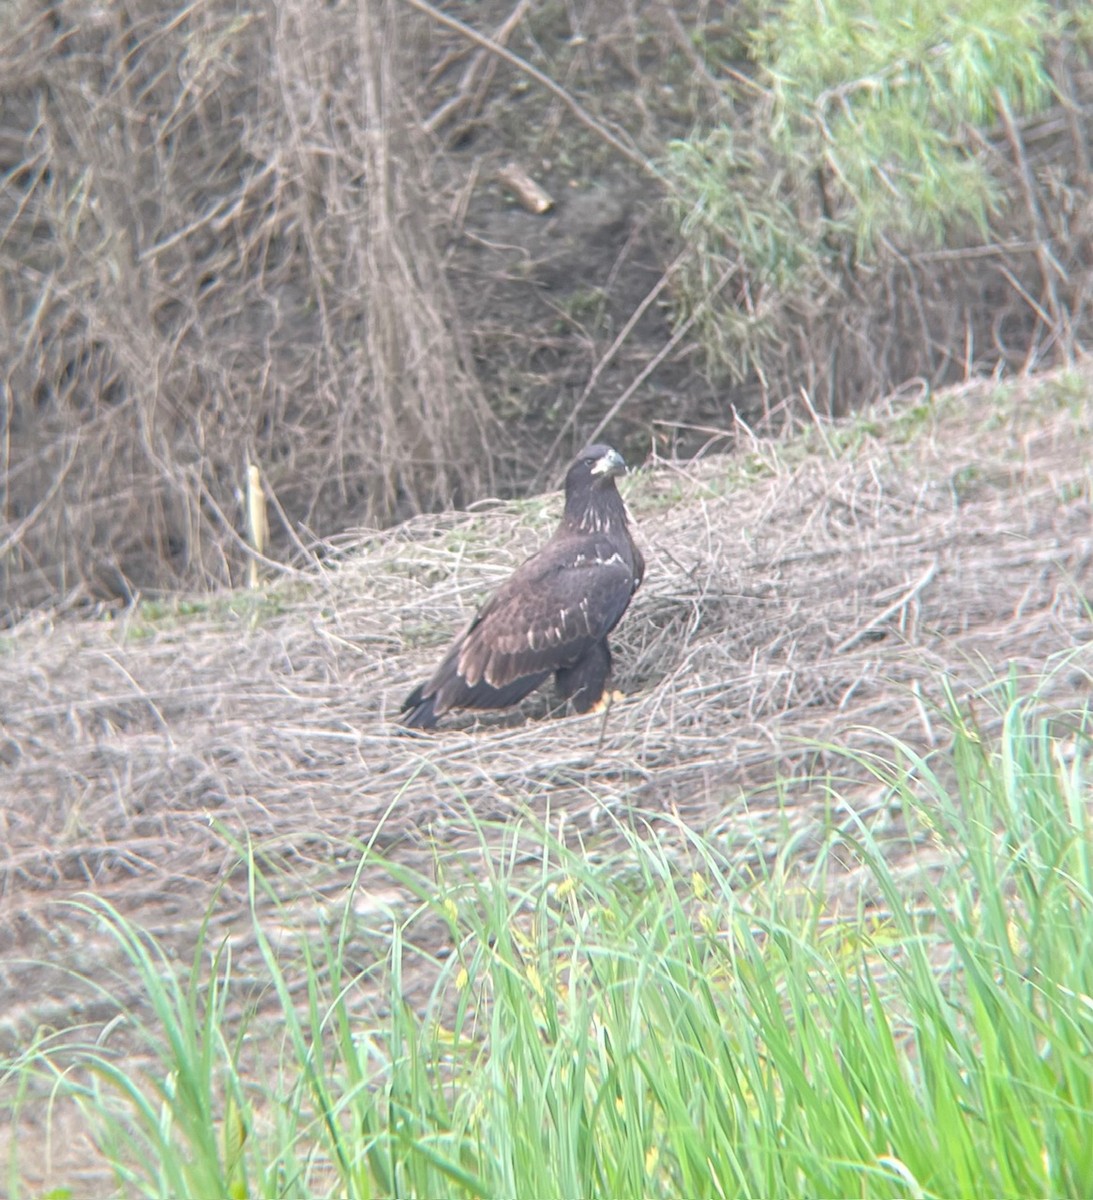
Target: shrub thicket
214,247
226,238
877,205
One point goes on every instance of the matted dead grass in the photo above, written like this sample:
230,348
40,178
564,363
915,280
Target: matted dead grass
803,597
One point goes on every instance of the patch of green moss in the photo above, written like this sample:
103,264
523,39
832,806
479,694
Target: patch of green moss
150,617
1068,391
965,481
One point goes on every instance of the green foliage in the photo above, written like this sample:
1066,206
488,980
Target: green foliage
651,1022
868,134
738,221
880,94
715,174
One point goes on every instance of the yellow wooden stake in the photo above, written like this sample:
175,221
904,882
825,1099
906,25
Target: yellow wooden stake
257,521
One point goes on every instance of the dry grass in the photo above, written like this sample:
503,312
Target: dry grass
795,595
807,593
211,255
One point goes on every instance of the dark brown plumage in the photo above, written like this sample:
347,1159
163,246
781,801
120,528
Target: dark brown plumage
553,614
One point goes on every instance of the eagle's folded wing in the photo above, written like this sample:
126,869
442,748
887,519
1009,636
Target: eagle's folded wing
546,618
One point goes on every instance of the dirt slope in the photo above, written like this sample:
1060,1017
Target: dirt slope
812,591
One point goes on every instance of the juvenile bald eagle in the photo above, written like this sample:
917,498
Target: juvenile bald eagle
553,614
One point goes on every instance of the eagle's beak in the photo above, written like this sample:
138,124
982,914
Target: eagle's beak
612,463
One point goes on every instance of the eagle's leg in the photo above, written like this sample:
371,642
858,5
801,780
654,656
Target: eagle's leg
584,682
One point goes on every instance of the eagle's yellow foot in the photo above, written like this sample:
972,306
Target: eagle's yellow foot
606,700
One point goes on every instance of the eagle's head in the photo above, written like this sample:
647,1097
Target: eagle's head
591,501
605,460
599,462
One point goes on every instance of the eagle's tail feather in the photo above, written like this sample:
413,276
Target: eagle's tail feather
418,711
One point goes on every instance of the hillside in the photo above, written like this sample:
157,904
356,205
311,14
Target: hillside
299,237
803,596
